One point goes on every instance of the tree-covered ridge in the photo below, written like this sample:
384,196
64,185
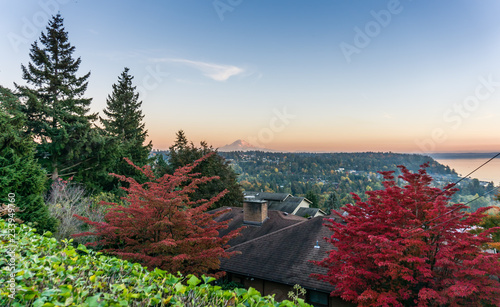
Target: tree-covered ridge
334,176
319,164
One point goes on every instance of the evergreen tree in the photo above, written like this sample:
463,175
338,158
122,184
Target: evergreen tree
160,165
125,120
57,114
183,153
332,202
124,123
20,175
314,198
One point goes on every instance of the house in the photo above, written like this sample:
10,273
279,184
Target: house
275,252
286,203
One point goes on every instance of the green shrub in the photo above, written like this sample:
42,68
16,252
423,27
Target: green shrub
22,179
46,272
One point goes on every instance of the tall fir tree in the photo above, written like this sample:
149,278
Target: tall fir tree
21,177
183,152
124,122
57,113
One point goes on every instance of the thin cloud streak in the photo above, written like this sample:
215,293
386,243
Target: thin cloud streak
215,72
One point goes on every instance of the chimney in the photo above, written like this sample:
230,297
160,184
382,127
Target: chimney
254,211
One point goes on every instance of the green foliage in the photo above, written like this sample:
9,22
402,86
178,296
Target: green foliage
20,175
182,153
314,198
297,294
332,202
160,165
124,123
47,272
228,285
57,113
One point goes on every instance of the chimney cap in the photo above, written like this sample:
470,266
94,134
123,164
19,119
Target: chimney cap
253,200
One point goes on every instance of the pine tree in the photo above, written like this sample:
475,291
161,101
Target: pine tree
20,175
162,226
183,152
407,246
57,114
332,202
160,165
314,198
124,122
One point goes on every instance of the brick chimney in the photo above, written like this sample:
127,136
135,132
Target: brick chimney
254,211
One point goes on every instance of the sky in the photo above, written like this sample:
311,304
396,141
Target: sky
416,76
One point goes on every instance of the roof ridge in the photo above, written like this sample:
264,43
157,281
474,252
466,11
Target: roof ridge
266,235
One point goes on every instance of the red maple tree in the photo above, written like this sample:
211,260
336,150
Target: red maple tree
161,227
407,246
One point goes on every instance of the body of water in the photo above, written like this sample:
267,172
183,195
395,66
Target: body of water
489,172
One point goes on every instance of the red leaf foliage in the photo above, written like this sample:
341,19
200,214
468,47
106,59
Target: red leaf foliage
407,246
161,227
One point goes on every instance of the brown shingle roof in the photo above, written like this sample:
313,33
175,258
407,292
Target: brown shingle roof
276,221
283,256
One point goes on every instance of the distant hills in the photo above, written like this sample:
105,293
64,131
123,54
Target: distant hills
241,145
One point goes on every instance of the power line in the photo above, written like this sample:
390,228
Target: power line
464,177
498,154
454,184
458,207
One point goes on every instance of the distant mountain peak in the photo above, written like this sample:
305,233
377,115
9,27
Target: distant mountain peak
242,145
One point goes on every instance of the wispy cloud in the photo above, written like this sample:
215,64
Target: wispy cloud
216,72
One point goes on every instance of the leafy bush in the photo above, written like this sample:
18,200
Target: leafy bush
48,273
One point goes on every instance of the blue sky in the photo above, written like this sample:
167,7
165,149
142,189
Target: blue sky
403,76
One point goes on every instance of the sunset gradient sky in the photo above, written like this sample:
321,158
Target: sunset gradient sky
403,76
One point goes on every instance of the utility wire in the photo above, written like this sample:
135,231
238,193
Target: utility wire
498,154
459,207
464,177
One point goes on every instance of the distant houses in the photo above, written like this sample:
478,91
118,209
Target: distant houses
285,202
281,235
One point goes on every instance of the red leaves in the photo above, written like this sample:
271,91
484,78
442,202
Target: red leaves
407,246
161,227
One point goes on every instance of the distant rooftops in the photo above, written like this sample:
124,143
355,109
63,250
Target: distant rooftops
286,203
